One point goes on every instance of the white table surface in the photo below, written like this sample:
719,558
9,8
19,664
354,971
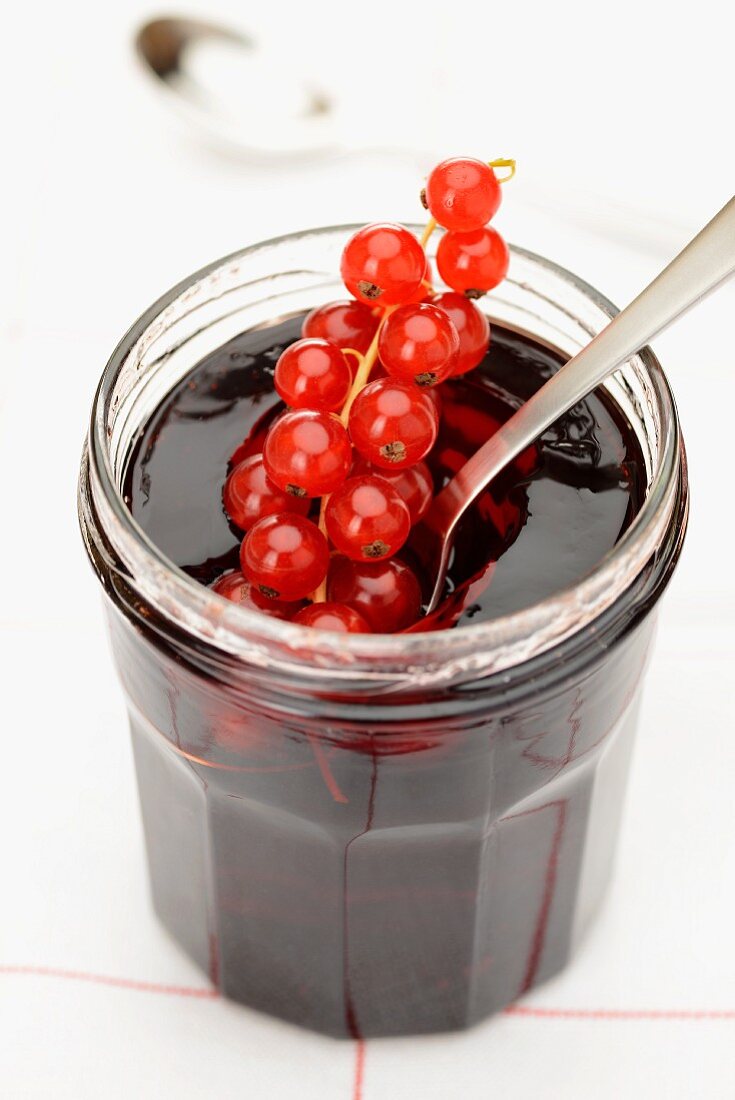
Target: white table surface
106,205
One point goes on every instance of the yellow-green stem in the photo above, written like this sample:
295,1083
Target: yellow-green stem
504,162
361,379
362,374
367,362
428,230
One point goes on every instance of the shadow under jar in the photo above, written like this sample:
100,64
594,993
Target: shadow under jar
375,835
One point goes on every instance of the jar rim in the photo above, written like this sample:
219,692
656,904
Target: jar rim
464,652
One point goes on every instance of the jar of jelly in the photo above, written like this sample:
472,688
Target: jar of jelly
379,834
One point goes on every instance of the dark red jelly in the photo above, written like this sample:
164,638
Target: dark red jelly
546,522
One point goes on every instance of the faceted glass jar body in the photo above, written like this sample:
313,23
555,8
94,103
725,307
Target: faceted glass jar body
375,835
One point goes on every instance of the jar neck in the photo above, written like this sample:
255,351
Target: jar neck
301,687
272,279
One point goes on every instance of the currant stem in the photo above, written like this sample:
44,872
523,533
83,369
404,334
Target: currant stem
319,595
430,227
504,162
365,363
353,351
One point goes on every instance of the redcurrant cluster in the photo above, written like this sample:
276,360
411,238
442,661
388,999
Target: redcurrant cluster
358,444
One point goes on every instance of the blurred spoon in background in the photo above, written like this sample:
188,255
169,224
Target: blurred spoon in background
244,100
234,93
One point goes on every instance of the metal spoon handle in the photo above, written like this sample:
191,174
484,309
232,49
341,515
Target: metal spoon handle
698,269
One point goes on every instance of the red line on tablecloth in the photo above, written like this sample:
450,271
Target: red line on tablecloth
139,986
359,1069
108,979
619,1013
529,1011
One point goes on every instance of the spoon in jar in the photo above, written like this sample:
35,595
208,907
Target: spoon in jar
699,268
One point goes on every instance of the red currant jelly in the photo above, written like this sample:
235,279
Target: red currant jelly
545,523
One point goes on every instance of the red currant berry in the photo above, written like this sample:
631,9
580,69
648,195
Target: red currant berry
462,194
418,343
414,484
249,494
333,616
285,555
472,263
307,453
423,291
383,262
393,424
346,324
472,328
237,588
313,374
386,593
367,519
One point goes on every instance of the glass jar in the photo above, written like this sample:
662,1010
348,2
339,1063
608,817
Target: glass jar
375,835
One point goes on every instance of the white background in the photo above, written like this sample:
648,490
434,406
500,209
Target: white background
620,120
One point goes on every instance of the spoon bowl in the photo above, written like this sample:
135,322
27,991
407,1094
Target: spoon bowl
232,90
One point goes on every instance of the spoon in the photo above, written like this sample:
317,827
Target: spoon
232,90
242,98
706,262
